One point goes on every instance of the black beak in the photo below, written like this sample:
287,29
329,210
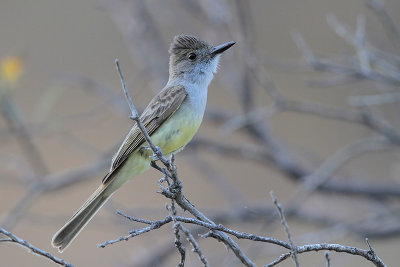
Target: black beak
221,48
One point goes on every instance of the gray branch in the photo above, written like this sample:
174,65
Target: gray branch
369,254
286,226
33,249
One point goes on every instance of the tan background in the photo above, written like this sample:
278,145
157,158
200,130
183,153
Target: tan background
60,39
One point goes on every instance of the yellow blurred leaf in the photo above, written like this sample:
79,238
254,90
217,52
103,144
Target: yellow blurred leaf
11,69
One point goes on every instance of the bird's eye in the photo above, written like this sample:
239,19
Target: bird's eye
192,56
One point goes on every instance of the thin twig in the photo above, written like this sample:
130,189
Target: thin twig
383,74
286,226
378,6
340,248
376,99
153,226
52,182
371,250
177,227
278,260
34,249
329,167
363,54
16,124
133,218
328,259
383,71
196,247
135,117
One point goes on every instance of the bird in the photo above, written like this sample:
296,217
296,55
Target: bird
171,118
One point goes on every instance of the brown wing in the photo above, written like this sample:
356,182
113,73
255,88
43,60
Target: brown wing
156,113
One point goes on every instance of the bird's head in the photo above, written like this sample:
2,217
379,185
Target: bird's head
194,59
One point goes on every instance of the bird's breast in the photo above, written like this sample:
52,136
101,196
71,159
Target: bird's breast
179,129
175,133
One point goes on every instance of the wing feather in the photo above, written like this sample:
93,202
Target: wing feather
156,113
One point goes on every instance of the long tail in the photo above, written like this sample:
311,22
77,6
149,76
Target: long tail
78,221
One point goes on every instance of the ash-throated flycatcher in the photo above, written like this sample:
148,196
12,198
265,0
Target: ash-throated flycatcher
172,118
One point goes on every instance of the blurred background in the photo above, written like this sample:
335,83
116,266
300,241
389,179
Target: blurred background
305,104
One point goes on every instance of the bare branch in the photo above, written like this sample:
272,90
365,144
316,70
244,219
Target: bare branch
133,218
328,259
369,255
219,227
377,99
337,248
196,247
340,248
303,46
384,72
34,249
378,6
139,29
363,54
186,205
322,174
279,260
177,227
286,226
133,233
51,182
11,114
135,116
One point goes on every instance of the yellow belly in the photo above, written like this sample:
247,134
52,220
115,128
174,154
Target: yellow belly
171,137
176,132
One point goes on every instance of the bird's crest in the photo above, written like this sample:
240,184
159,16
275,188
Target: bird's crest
183,43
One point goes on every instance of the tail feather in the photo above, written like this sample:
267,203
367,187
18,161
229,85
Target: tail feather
78,221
